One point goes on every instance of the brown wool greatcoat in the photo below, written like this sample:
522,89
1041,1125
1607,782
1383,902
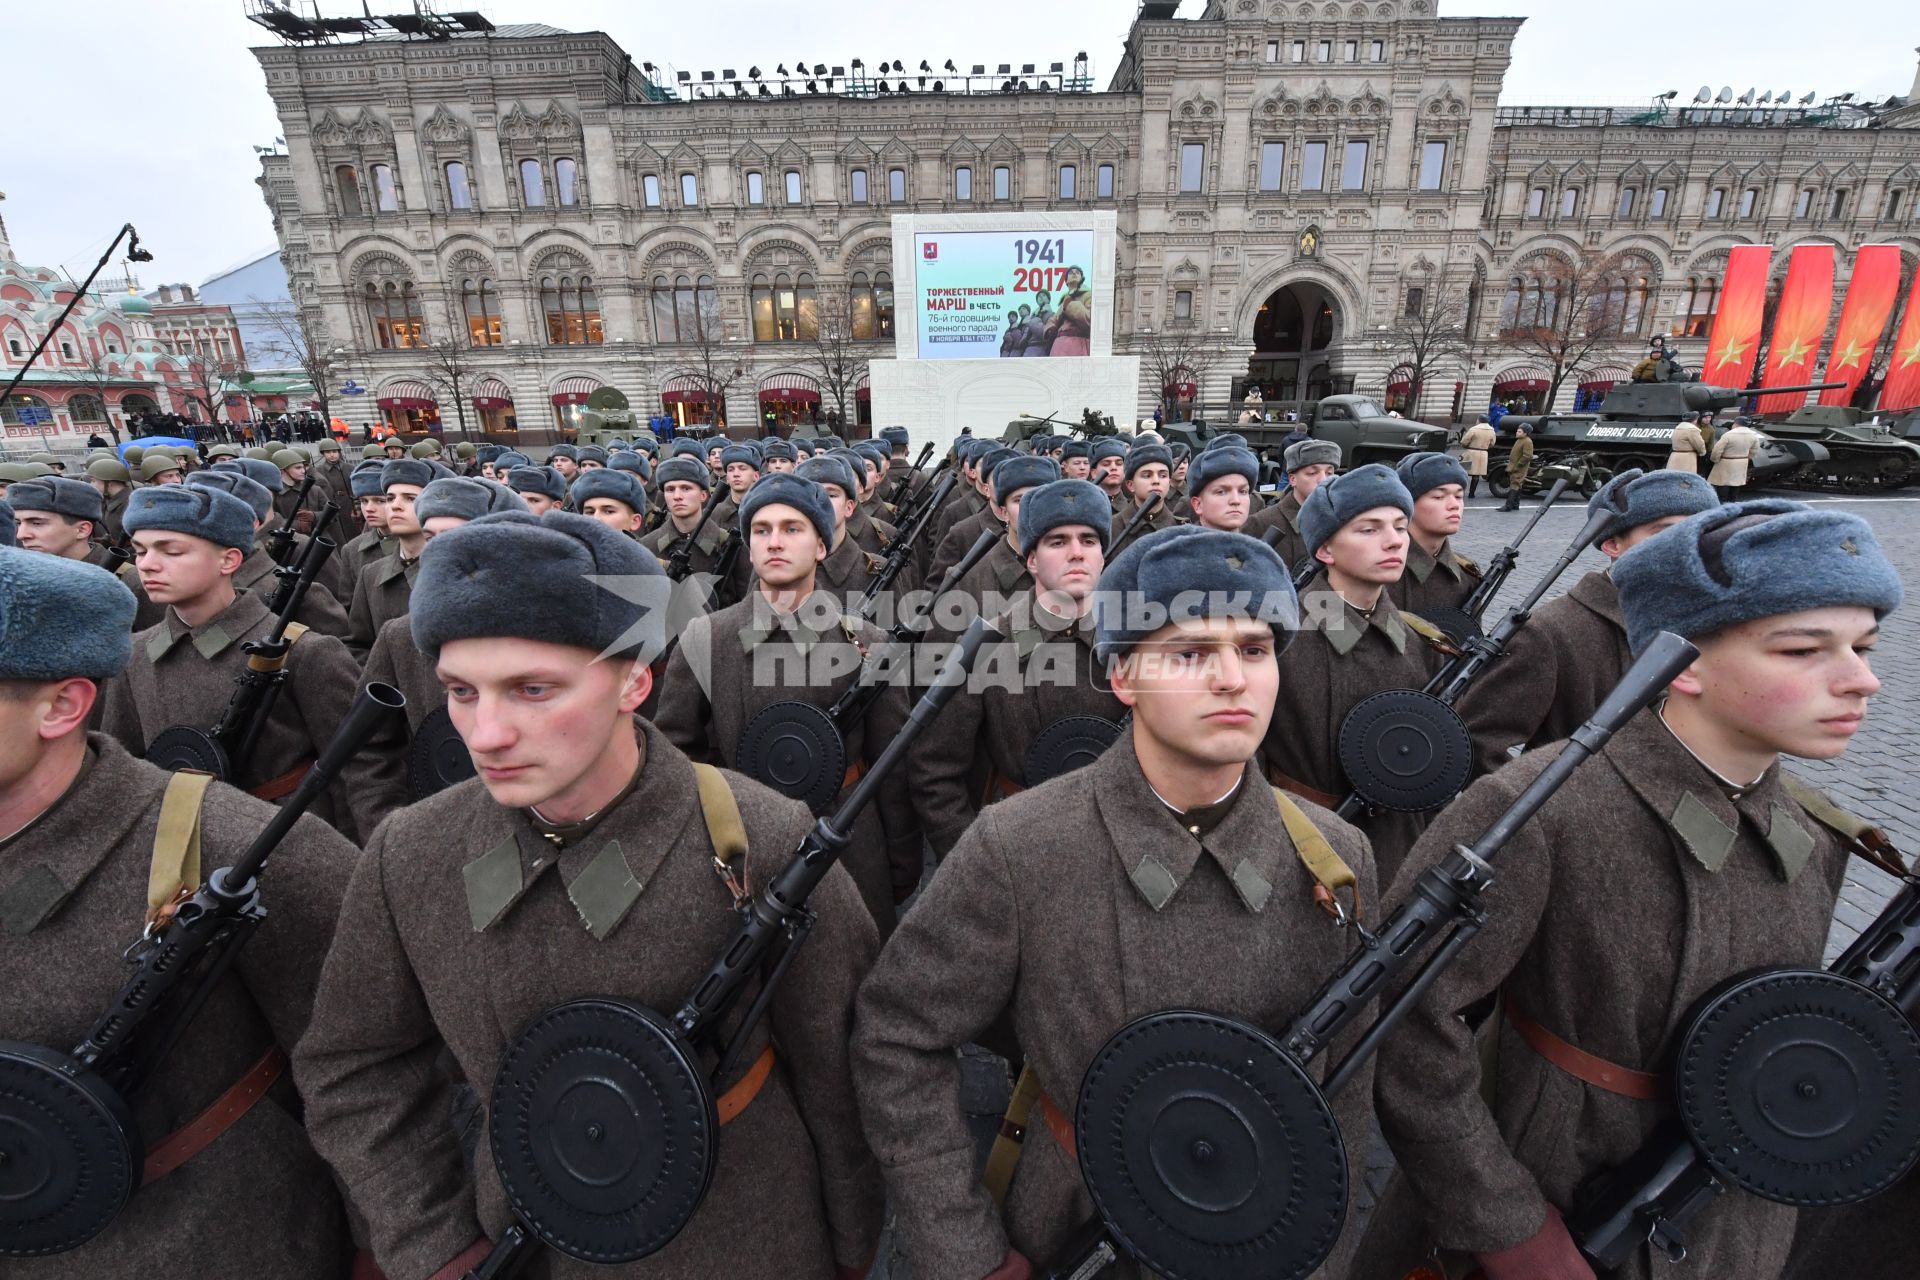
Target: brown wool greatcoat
73,891
1036,914
1605,927
318,608
1283,515
1557,671
959,538
706,552
795,1190
1519,460
963,502
1019,686
1164,517
871,532
355,553
382,592
1001,576
897,467
333,573
1431,581
396,660
1336,659
184,675
731,665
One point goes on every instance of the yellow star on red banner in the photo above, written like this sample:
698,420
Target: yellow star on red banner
1796,350
1848,356
1731,352
1911,355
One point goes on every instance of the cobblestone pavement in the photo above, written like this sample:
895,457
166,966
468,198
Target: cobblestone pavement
1875,779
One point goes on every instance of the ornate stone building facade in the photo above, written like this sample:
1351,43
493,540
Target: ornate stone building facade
1290,180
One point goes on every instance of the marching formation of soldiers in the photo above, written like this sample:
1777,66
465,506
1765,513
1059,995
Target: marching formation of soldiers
638,678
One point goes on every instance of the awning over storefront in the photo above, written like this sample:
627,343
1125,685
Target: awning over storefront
407,395
1604,377
681,389
790,387
575,390
491,393
1522,378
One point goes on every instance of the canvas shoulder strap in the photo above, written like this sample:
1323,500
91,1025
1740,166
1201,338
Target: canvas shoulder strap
1328,869
726,830
1426,631
174,869
1862,838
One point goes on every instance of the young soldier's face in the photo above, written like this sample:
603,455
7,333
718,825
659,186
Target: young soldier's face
612,513
537,717
374,511
1075,468
54,534
1180,474
1067,561
588,464
713,458
296,475
1370,548
1795,684
779,464
440,524
1304,480
1204,690
684,498
1436,512
1009,513
538,503
740,477
1614,548
169,476
843,506
401,522
784,545
1108,473
566,466
1153,478
1223,503
486,471
178,567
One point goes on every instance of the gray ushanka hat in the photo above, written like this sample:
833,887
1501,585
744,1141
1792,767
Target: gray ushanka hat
1427,470
1341,498
1146,454
606,482
1212,464
415,471
827,469
544,481
74,499
364,479
213,514
789,489
1064,502
681,467
61,618
1310,453
1187,573
465,498
1639,497
1022,471
254,495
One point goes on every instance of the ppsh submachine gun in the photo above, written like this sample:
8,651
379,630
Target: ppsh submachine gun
1462,623
71,1152
800,749
603,1121
905,483
1209,1148
900,551
227,749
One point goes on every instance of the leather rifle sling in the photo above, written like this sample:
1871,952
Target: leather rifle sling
1012,1135
727,831
174,868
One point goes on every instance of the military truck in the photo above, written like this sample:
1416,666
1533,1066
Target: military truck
1363,430
1863,452
1634,428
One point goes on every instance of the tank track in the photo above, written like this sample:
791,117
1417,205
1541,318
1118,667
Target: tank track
1855,471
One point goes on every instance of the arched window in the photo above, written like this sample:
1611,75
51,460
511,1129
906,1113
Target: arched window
11,406
533,189
393,312
660,298
480,301
871,304
1704,300
566,176
686,312
386,196
85,408
572,310
760,305
1633,320
459,194
1510,306
346,182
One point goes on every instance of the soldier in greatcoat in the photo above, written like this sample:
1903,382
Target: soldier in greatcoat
188,543
1171,882
1042,672
1107,463
1561,665
789,641
332,574
331,467
1436,575
1353,642
1148,471
81,819
1474,443
1688,446
382,591
578,863
372,542
1076,460
57,516
1519,464
1219,488
541,488
318,610
849,567
1680,856
1732,461
616,498
1002,575
114,482
900,466
685,484
287,502
961,532
1309,463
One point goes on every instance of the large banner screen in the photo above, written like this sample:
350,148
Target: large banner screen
987,295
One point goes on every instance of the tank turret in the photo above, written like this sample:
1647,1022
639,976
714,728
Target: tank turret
1675,400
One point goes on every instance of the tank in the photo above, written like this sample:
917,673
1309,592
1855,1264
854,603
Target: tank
1634,428
1863,451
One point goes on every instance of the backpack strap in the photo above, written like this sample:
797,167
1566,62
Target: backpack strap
1329,870
725,829
1861,838
174,870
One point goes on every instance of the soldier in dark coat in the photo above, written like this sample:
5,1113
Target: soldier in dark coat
961,532
81,818
1567,658
1148,473
58,516
1172,882
1519,464
331,467
318,609
465,918
850,567
685,484
1001,578
789,641
900,466
1310,463
1679,857
1042,672
1436,574
542,488
287,502
372,542
1219,488
381,592
1352,643
189,542
968,497
114,482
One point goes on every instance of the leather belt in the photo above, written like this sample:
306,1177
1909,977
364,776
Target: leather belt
1326,800
1642,1086
283,786
854,771
197,1135
1000,787
1059,1126
746,1088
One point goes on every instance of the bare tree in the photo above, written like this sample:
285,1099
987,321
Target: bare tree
101,379
1180,353
1429,335
297,342
204,383
716,362
834,355
446,365
1569,312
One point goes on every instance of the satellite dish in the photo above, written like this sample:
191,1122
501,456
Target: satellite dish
1806,100
1705,94
1725,96
1766,97
1746,99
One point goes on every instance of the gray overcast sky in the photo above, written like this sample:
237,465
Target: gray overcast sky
124,110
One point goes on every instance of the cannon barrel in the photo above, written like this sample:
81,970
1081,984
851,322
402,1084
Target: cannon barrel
1701,397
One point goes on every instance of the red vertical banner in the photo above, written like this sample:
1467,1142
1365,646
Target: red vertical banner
1735,339
1806,301
1863,318
1902,390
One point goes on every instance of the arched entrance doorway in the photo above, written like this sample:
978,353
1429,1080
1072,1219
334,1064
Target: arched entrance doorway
1296,346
